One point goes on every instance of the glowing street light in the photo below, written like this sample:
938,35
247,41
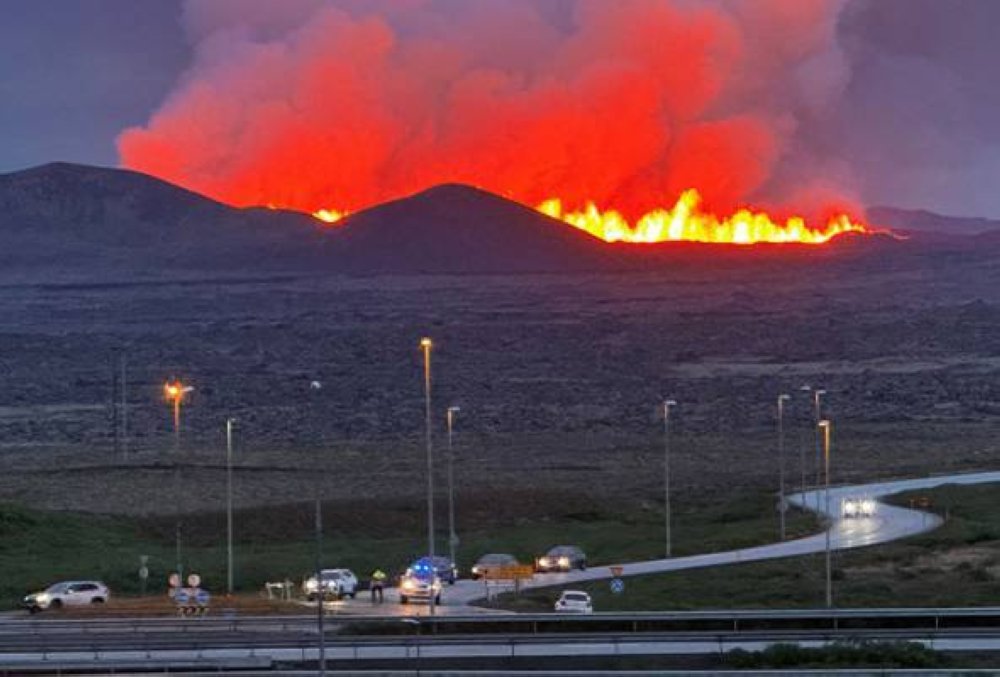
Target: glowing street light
425,345
781,460
824,427
667,405
452,536
174,392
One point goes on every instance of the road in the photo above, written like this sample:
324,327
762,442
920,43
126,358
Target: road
889,523
93,645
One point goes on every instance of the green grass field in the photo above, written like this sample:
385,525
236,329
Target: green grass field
955,565
37,548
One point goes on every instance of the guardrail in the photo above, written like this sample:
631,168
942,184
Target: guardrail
618,623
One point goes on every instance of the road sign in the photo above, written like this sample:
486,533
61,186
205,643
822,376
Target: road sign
143,572
616,571
174,580
194,580
201,597
510,573
617,586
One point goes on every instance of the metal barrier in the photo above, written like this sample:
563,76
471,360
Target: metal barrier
530,624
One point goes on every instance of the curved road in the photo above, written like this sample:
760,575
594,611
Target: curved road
889,523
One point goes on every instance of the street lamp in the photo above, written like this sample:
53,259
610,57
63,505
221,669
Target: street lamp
174,392
825,426
781,460
452,536
667,405
229,505
817,411
426,344
315,386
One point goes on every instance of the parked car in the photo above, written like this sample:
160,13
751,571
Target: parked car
337,584
419,587
562,558
854,506
492,562
574,601
443,568
67,593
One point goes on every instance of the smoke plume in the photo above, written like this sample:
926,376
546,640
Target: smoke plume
309,104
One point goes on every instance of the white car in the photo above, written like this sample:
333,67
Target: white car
574,601
337,583
67,593
855,506
417,587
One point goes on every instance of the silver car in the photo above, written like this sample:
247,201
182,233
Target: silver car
337,584
67,593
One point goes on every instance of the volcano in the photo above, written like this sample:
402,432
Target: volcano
80,220
77,221
455,228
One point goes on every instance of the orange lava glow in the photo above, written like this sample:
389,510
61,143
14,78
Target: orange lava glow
686,222
329,215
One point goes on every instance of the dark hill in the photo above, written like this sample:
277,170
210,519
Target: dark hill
66,218
925,221
460,229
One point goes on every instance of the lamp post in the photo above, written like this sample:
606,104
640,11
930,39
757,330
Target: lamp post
667,405
817,412
229,506
426,344
452,536
320,589
781,461
824,427
174,392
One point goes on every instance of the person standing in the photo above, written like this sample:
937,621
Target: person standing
378,585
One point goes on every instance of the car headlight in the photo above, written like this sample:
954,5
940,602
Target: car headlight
43,597
311,585
564,561
545,561
475,569
407,584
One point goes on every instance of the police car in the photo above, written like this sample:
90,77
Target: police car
419,586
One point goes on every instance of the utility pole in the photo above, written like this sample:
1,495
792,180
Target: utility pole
781,461
320,589
667,405
825,426
124,403
426,345
452,536
229,506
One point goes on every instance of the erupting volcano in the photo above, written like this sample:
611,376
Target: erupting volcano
600,114
685,222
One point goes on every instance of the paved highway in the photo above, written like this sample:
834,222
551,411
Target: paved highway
889,523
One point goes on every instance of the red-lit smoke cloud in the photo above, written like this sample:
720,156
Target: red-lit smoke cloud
309,104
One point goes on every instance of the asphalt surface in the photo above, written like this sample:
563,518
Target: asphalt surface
889,523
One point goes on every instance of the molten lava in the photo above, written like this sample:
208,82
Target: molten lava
686,222
329,215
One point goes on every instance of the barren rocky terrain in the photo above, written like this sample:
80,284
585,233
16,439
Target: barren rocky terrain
558,378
